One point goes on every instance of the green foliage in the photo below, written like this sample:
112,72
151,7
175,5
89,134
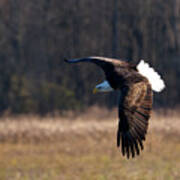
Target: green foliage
54,97
35,36
48,97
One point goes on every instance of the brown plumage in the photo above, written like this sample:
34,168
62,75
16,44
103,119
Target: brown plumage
135,102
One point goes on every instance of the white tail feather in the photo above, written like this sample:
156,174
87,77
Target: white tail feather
154,78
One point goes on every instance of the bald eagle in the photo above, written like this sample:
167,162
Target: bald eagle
135,82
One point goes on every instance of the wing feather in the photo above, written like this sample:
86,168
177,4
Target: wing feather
134,111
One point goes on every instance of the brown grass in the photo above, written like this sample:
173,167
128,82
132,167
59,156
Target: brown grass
85,148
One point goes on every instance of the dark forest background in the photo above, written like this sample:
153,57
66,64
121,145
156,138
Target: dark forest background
36,35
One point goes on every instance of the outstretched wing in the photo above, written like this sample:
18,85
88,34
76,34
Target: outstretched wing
107,64
94,59
135,106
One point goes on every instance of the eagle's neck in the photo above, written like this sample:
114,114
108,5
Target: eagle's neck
115,81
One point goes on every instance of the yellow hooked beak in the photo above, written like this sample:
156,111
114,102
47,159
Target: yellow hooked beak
95,90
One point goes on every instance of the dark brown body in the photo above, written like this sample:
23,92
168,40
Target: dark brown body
135,102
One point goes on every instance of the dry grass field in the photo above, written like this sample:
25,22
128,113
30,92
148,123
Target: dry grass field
83,147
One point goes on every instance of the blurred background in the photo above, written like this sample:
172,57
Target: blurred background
51,125
35,36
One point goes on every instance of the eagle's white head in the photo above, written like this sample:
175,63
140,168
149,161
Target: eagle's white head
103,87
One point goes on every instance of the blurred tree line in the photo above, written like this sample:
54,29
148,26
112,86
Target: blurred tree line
36,35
